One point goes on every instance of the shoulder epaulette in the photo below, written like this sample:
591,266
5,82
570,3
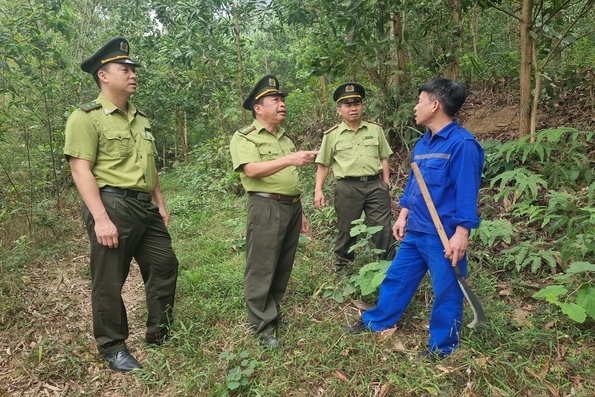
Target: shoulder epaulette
331,129
373,122
89,106
141,113
246,130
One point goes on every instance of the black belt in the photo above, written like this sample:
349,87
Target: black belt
278,197
140,196
362,178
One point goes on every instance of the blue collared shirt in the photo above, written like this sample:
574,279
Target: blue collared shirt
451,163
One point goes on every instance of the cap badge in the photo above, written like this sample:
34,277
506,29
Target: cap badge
124,47
349,88
272,82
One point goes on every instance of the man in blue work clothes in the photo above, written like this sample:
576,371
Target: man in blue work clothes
451,162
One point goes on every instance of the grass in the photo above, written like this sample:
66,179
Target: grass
524,349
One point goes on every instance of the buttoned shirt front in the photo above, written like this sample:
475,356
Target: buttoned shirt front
354,153
121,147
256,144
451,164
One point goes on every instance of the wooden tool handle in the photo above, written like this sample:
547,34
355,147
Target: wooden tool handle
431,207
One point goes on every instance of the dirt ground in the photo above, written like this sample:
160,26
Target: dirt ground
55,346
490,115
42,361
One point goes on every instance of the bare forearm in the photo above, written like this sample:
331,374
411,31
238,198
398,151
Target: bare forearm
265,168
156,194
89,191
321,174
385,171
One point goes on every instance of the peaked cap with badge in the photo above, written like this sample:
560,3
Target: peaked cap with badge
349,93
115,50
268,85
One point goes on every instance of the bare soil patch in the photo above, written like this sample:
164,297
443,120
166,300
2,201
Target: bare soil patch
48,347
493,115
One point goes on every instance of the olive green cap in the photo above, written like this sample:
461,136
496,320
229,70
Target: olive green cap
349,92
268,85
116,50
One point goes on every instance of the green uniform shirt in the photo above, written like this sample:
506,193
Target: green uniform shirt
255,144
352,153
121,148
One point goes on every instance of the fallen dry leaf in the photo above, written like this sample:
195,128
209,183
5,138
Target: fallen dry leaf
444,369
341,376
384,390
361,305
520,316
482,361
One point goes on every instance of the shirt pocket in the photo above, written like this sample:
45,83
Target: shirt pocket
371,146
269,152
436,172
344,151
117,144
287,147
148,142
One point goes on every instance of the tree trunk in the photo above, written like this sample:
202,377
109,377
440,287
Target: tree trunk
164,153
180,124
536,93
526,69
185,137
239,55
399,53
452,71
323,88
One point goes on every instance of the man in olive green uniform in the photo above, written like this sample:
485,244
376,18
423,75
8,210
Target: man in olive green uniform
266,159
112,156
357,152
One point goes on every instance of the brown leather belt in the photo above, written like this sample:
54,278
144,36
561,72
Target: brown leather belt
278,197
140,196
362,178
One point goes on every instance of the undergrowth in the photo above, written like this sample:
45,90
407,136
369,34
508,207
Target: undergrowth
527,346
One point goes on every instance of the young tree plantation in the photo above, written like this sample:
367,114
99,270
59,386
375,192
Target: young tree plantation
529,69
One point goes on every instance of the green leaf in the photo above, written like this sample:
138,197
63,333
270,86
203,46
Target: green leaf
551,290
374,229
367,283
357,230
577,267
574,311
233,385
585,297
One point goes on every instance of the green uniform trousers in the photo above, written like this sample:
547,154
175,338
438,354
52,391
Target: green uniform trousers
353,197
144,237
273,230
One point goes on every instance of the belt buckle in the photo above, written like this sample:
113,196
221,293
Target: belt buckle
363,178
295,200
143,196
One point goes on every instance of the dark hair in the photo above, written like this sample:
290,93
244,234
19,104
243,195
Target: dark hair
259,101
451,95
96,74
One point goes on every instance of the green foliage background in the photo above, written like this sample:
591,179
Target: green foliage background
534,247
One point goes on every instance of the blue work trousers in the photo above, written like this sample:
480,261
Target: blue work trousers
417,253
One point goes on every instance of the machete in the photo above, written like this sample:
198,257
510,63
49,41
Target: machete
478,314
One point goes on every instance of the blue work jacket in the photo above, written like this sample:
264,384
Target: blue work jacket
451,163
